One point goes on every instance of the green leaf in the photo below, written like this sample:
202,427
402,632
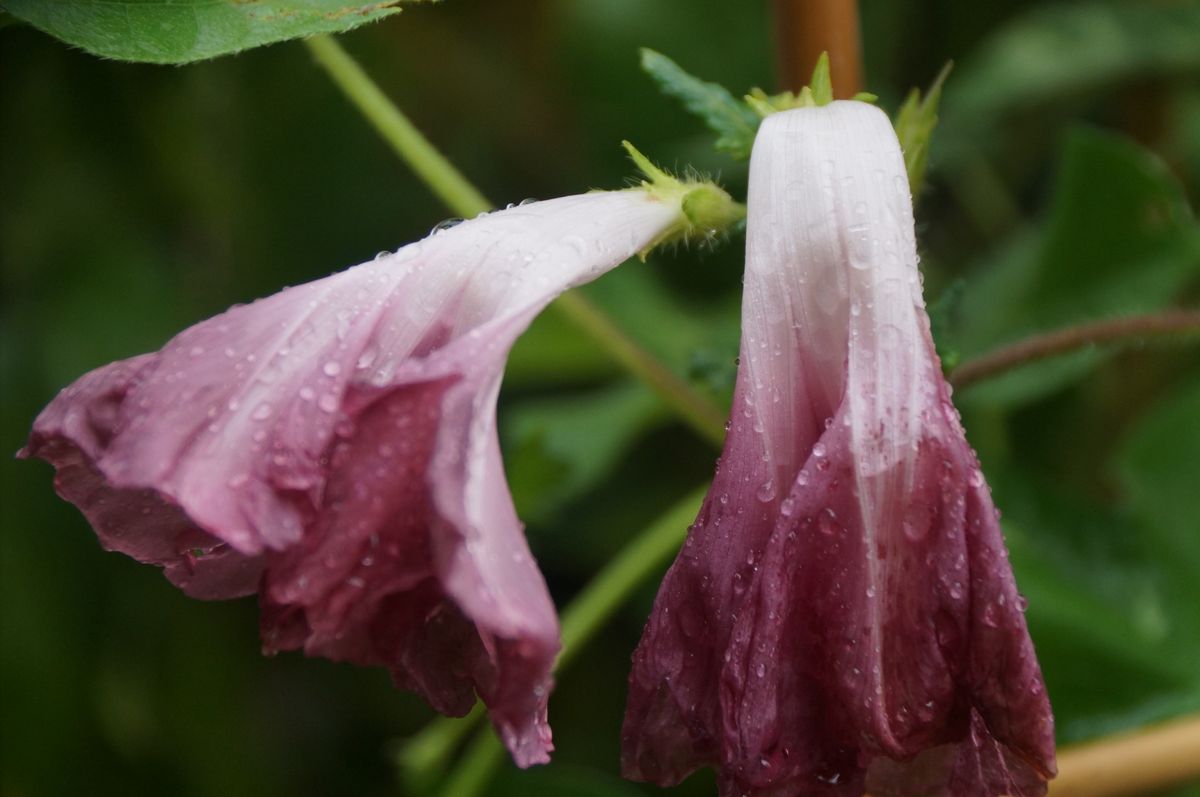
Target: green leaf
181,31
1103,625
1158,467
732,120
942,312
1058,51
1118,239
553,453
914,123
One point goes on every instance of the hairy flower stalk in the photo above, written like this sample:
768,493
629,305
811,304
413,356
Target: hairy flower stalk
843,617
333,448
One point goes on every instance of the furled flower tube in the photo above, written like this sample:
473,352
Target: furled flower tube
333,448
843,617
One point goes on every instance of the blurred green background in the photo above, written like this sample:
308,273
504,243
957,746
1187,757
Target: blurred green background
135,200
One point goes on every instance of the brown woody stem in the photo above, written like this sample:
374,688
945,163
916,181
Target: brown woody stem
1049,344
806,28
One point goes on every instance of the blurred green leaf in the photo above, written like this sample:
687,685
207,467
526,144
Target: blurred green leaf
942,314
562,780
1100,620
554,452
180,31
1159,467
1063,49
663,321
554,351
1118,238
731,119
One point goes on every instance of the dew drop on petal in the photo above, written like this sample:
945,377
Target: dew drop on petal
766,490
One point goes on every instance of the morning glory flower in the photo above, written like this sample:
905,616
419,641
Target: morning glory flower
333,448
843,616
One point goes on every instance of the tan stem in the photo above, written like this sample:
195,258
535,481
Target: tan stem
1136,763
1061,341
806,28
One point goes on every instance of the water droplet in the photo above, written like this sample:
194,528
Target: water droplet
262,412
366,359
307,393
760,670
576,243
197,351
766,490
328,402
827,522
787,507
975,479
444,225
331,369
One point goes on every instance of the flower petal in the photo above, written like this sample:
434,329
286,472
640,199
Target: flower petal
843,607
334,446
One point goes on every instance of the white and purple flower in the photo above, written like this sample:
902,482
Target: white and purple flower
333,448
843,617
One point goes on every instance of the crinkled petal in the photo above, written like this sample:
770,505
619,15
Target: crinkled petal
334,446
843,615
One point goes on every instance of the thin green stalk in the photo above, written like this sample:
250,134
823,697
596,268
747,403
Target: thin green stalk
701,414
462,198
446,182
581,619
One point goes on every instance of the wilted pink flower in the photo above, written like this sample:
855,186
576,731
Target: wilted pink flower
333,448
843,615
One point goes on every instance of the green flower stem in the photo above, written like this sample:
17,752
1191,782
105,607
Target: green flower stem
702,415
462,198
581,619
439,174
637,561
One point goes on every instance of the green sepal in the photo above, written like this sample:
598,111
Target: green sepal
705,209
736,122
914,124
